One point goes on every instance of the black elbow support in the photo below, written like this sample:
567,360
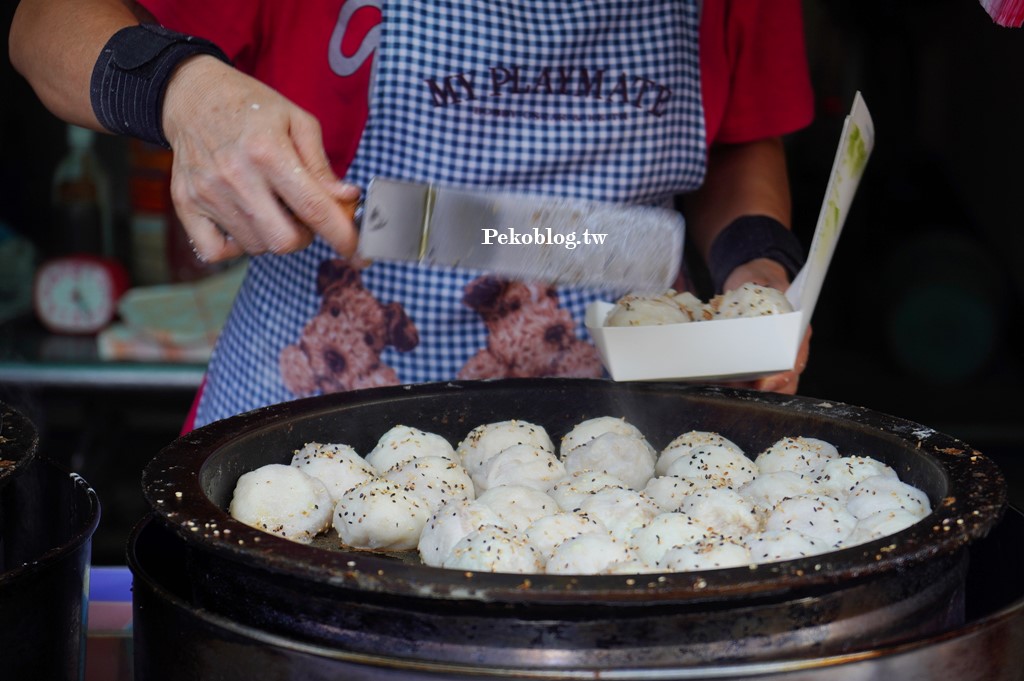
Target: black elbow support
748,238
131,76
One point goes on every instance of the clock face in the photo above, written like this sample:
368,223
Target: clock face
76,295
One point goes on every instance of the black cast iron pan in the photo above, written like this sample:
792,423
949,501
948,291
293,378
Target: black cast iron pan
189,484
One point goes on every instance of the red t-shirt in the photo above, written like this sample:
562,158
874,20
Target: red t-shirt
754,77
755,81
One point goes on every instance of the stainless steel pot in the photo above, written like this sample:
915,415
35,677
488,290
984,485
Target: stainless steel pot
47,519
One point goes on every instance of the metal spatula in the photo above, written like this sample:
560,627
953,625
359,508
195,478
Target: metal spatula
522,236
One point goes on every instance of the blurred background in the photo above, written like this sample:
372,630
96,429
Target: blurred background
920,316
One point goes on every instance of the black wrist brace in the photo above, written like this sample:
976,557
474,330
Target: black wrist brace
131,75
748,238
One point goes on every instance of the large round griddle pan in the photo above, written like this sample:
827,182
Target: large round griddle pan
189,484
901,586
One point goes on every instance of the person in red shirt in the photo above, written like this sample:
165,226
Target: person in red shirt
267,104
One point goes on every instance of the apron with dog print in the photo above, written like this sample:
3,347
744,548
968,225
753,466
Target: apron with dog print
593,100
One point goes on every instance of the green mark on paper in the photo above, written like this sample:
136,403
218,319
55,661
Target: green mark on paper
856,156
832,217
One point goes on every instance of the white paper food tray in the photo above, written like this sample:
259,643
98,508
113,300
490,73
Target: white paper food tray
738,349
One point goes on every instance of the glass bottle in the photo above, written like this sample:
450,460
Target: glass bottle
81,219
150,194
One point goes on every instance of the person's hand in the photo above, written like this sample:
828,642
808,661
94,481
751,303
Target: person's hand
787,382
250,174
766,272
761,271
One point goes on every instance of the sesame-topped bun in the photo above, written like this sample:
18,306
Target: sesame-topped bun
282,500
750,300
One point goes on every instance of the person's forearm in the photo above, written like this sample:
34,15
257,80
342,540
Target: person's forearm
54,44
742,179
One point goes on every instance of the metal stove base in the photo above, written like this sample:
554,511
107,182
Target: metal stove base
174,639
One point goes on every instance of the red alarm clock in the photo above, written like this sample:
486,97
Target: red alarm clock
78,294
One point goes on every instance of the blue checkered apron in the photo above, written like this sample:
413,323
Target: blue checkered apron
597,100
